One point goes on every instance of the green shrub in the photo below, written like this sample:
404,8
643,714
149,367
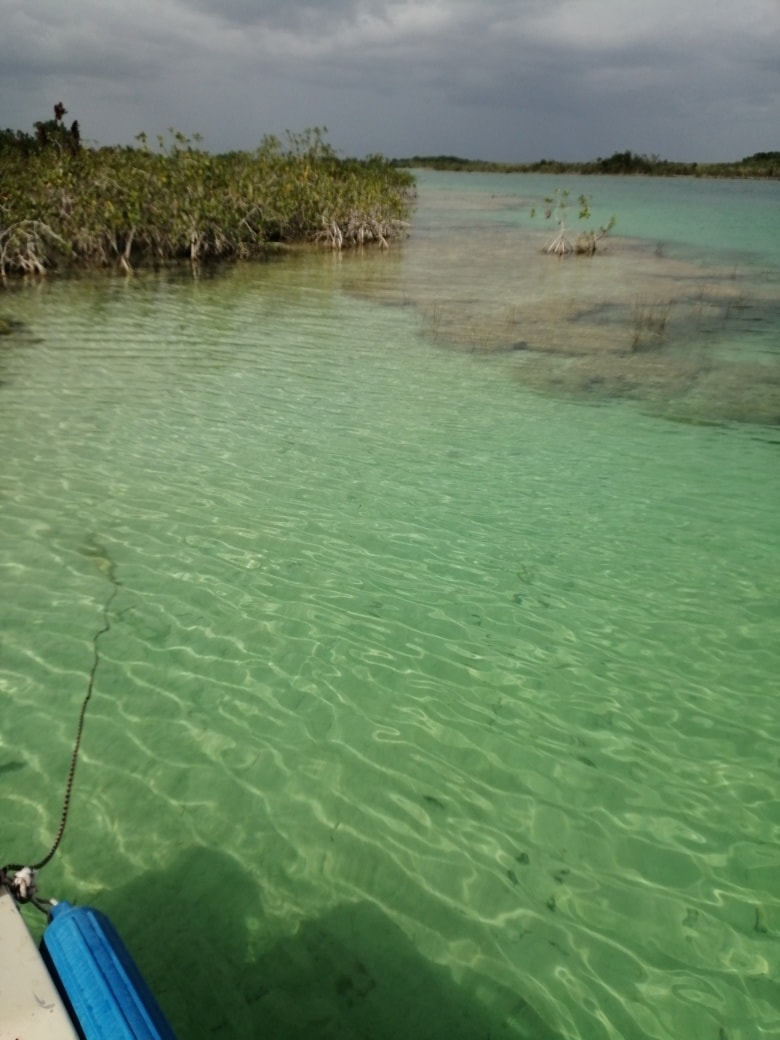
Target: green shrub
65,204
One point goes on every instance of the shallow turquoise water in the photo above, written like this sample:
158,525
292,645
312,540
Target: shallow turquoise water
715,218
430,705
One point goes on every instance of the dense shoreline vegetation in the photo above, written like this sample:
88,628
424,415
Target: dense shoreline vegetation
64,205
761,165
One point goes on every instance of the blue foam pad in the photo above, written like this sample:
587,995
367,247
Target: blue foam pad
97,978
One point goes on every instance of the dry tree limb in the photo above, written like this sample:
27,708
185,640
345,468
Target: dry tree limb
559,246
23,247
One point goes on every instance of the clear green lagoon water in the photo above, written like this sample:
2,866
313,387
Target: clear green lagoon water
440,693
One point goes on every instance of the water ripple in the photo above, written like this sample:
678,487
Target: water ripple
500,669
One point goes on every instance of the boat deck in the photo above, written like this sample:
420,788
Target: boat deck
30,1006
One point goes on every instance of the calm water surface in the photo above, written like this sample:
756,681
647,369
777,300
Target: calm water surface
439,697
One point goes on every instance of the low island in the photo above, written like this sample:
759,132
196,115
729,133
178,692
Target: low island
64,205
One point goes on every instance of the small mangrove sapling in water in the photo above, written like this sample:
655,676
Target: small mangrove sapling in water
556,208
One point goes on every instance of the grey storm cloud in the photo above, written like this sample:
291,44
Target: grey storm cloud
503,79
292,17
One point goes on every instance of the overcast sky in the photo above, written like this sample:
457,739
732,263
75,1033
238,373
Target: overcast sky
494,79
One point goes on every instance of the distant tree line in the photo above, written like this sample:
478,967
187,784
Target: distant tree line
761,164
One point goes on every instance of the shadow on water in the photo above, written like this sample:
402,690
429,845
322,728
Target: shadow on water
196,931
